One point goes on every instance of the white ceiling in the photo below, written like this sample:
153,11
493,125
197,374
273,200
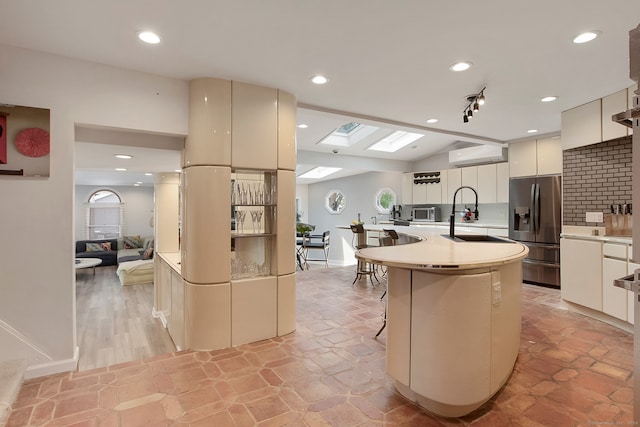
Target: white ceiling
386,61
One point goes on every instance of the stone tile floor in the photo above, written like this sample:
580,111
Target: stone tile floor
571,371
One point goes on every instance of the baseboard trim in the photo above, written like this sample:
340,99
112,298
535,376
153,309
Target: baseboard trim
159,315
54,367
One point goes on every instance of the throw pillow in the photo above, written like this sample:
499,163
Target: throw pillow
148,254
96,247
132,242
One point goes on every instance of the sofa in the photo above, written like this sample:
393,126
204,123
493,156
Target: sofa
105,249
132,254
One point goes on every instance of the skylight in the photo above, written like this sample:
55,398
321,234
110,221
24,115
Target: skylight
347,128
348,134
319,172
395,141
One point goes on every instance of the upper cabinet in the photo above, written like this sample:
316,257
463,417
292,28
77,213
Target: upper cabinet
407,188
535,157
549,156
582,125
591,123
613,104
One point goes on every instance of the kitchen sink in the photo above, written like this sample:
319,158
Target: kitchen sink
477,238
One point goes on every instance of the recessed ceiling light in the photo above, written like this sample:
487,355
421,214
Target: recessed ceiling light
178,170
585,37
138,182
432,121
149,37
460,66
123,156
120,169
148,174
136,185
549,98
303,126
319,80
532,131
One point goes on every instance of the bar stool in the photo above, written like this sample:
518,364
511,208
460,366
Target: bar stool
358,241
390,239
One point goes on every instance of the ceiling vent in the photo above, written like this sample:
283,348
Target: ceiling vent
478,155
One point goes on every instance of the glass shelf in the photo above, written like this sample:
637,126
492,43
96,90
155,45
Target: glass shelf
241,235
253,223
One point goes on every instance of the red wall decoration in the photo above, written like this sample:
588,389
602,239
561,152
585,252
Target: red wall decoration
3,139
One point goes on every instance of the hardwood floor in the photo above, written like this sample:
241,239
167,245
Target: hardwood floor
114,322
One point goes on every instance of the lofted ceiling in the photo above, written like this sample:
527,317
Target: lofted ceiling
387,62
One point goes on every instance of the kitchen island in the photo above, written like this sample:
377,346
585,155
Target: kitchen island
453,318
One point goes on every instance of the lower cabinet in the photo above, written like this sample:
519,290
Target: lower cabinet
581,272
614,299
176,321
588,270
254,310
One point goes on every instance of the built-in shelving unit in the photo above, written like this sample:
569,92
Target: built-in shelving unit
253,228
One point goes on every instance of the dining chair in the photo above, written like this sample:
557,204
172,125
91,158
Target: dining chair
316,242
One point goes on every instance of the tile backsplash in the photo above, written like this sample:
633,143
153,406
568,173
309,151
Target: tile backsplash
595,177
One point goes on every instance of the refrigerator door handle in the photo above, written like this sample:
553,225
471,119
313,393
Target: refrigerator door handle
532,205
537,208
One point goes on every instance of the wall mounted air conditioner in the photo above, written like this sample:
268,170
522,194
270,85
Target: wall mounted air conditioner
478,155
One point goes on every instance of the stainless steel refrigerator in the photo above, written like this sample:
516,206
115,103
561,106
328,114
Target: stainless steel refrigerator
535,219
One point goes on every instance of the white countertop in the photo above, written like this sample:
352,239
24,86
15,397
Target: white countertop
612,239
446,223
173,259
436,252
587,233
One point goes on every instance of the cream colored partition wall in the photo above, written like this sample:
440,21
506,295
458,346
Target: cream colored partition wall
286,304
166,239
242,135
209,140
286,131
286,242
166,214
254,127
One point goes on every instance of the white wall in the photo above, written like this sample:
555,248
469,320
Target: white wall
359,191
138,208
302,200
37,284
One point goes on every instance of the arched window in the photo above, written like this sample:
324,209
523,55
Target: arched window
104,215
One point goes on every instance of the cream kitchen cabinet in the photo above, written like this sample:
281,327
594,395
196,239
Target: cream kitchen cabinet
434,193
407,188
444,187
614,266
502,181
549,156
469,178
419,194
581,272
535,157
454,181
522,159
582,259
582,125
487,183
631,298
591,123
427,188
613,104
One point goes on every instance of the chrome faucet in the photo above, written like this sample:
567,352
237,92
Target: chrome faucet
452,218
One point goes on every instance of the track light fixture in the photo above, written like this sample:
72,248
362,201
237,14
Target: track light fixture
474,103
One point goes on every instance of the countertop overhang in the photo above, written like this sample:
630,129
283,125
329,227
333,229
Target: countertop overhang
437,252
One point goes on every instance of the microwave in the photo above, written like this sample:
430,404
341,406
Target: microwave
426,214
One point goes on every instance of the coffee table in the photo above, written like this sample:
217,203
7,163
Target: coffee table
87,263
